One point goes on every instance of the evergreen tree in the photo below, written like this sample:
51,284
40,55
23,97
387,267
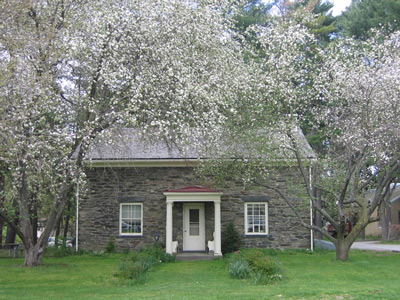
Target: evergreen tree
362,15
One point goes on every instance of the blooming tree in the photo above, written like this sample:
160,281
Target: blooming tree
72,69
350,91
360,107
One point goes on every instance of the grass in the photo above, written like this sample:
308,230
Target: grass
369,238
392,242
367,275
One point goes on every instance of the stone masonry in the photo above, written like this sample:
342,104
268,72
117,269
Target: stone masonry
99,210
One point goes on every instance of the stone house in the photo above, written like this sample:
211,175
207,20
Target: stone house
138,193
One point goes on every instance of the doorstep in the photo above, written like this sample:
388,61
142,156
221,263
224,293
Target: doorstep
194,256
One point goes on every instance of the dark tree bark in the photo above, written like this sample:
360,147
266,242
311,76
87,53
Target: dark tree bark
67,218
385,222
34,219
58,228
11,233
10,237
318,216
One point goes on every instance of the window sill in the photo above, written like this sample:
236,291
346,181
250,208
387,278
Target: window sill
257,235
130,235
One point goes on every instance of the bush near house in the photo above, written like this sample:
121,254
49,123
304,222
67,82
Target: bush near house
232,241
255,265
111,248
135,265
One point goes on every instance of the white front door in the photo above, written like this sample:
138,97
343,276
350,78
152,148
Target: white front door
193,227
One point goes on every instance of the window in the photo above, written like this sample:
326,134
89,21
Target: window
131,219
256,218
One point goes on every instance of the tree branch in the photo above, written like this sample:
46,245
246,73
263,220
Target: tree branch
12,225
304,224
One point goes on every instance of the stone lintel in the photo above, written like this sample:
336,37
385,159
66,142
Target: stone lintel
131,199
256,198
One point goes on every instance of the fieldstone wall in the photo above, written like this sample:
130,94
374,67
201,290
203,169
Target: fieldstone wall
99,210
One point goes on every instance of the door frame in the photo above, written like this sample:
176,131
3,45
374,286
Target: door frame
188,240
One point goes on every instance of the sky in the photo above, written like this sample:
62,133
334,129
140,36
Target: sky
339,6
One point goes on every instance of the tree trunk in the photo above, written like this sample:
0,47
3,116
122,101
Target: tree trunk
34,221
385,222
11,234
67,217
58,229
33,256
318,216
342,249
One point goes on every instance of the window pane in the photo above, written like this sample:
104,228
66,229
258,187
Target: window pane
256,209
249,209
125,209
126,226
249,224
131,218
137,214
137,227
262,209
194,215
194,229
256,218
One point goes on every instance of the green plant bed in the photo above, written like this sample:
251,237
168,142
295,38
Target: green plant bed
367,275
255,265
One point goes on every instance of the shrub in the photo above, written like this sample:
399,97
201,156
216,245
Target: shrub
239,268
63,251
262,278
261,263
110,247
232,240
159,252
136,264
132,270
255,265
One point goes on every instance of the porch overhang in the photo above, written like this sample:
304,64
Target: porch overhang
193,197
194,194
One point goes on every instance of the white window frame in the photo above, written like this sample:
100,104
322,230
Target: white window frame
266,219
141,220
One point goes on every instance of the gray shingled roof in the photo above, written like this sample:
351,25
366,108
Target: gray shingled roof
126,144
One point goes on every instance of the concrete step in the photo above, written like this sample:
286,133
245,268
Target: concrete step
194,256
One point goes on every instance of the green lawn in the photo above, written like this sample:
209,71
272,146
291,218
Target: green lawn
318,276
392,242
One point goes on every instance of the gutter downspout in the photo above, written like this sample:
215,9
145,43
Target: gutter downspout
77,219
311,212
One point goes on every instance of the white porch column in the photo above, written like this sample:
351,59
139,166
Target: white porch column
168,242
217,230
